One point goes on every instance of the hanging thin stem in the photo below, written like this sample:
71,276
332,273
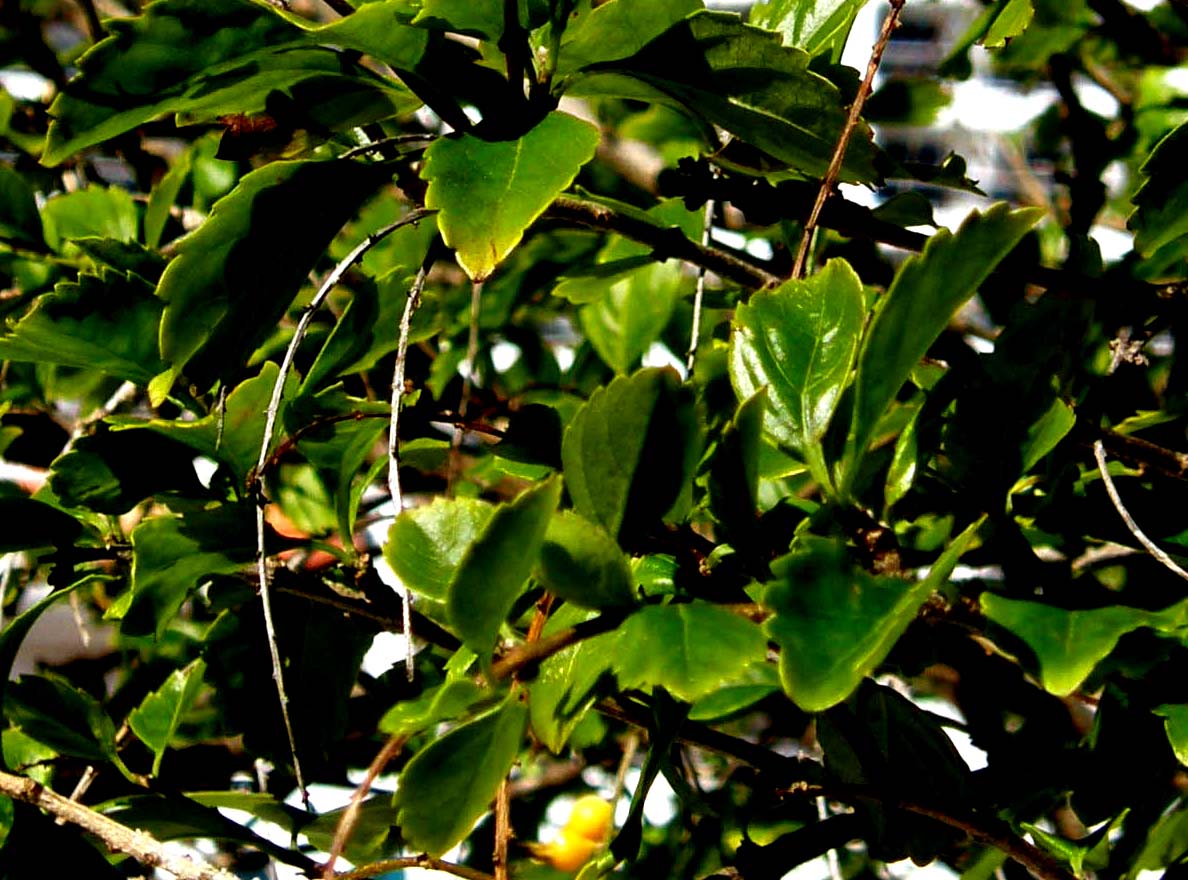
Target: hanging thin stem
410,306
476,295
1150,546
890,23
707,228
266,442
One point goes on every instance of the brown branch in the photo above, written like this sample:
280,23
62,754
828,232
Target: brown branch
989,832
890,23
1143,452
117,837
375,869
503,832
667,243
529,653
350,816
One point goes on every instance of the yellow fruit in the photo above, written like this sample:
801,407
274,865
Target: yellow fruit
591,818
567,853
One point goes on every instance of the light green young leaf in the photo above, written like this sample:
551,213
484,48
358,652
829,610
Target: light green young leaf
426,544
1043,436
1011,18
927,290
495,567
449,784
1160,213
233,278
835,622
479,18
690,649
106,323
799,342
1069,643
812,25
636,441
157,718
443,703
488,192
92,212
582,564
1175,722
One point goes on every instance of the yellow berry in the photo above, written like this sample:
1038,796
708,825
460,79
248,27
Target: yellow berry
567,853
591,818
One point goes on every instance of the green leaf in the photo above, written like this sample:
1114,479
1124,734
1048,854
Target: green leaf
234,277
448,785
564,689
488,192
379,30
1043,436
799,342
240,424
1160,213
20,223
157,718
106,323
629,451
618,29
689,649
582,564
1175,722
1011,18
172,554
443,703
733,481
92,212
740,78
495,567
812,25
203,58
61,716
904,463
426,544
105,472
927,290
758,682
31,524
835,622
479,18
1069,643
372,836
164,196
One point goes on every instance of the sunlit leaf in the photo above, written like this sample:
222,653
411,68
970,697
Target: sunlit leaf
157,718
488,192
67,719
812,25
927,290
582,564
1160,213
426,544
618,29
449,784
799,342
689,649
835,622
495,567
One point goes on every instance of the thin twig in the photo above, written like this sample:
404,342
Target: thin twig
375,869
117,837
266,441
381,145
503,832
667,243
476,293
410,306
95,29
630,747
515,660
707,228
1039,863
350,816
890,23
1112,490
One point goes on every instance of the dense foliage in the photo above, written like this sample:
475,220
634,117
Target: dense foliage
869,504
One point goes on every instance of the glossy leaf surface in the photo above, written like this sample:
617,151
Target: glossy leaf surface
157,718
426,544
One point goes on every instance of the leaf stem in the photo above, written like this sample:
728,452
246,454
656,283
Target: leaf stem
890,23
266,441
707,228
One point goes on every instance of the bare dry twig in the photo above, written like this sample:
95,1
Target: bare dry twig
270,418
890,23
1112,490
141,846
350,816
